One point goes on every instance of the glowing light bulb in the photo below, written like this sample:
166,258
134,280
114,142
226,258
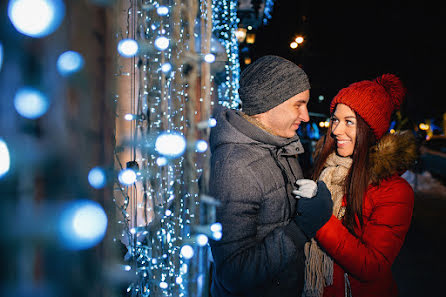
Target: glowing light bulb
128,48
209,58
163,285
5,160
127,177
129,117
217,235
161,161
70,62
161,43
299,39
202,239
30,103
294,45
212,122
216,227
97,178
187,251
170,144
201,146
179,280
83,224
36,18
162,10
166,67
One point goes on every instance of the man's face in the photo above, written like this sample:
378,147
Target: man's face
284,119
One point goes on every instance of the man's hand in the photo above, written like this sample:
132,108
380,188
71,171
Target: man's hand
307,188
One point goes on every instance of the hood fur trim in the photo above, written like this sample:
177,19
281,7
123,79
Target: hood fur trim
394,153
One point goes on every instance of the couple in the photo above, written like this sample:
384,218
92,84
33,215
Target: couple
288,236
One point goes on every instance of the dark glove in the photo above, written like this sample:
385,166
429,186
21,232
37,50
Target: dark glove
313,213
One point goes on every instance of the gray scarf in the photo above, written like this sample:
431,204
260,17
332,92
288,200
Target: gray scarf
319,265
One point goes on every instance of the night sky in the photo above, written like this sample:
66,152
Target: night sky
348,41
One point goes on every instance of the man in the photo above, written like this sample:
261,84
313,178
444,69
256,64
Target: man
254,169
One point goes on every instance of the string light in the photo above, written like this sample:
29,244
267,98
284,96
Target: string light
4,158
127,177
97,178
30,103
170,144
69,62
36,18
82,224
162,43
128,48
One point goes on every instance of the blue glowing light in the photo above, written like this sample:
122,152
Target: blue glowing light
97,178
161,43
209,58
187,251
212,122
129,117
202,239
69,62
216,227
128,48
127,177
163,285
162,10
161,161
201,146
1,55
179,280
5,160
170,144
166,67
36,18
83,224
30,103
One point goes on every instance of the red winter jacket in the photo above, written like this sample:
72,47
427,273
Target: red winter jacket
387,212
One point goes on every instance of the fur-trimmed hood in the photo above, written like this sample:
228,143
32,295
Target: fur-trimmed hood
394,153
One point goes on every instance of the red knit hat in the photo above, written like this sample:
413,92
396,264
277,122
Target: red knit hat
373,100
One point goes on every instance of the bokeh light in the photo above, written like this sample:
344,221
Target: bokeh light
166,67
201,146
162,10
30,103
127,177
209,58
5,160
187,251
36,18
83,224
69,62
161,43
170,144
97,177
128,48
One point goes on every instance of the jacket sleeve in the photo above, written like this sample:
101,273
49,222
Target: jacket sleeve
383,233
242,261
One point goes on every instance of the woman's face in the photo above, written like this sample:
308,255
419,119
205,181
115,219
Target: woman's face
343,130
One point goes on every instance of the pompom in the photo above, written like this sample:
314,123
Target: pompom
394,87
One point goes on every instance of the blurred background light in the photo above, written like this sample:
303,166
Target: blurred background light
128,48
127,177
212,122
299,39
161,161
202,239
187,251
69,62
166,67
30,103
170,144
209,58
83,224
36,18
1,55
5,160
97,177
201,146
293,44
161,43
162,10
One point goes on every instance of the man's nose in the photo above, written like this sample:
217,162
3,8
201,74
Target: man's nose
304,116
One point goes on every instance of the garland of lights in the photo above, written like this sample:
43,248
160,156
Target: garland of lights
225,24
267,11
167,219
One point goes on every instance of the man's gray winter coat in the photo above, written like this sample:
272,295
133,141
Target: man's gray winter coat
252,175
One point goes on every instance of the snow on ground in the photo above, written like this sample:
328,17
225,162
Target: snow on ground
424,183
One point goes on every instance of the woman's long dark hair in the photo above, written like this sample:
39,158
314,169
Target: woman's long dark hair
357,180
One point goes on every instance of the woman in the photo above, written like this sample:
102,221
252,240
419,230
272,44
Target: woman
360,163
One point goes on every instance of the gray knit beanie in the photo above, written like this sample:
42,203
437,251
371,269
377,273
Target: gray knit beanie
268,82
